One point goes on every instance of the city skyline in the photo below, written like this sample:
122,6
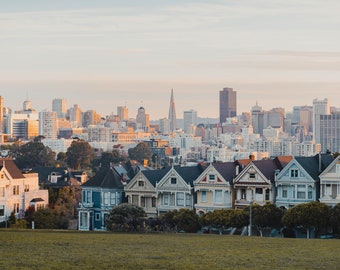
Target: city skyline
107,54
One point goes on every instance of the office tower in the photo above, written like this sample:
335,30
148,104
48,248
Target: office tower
75,115
91,117
22,125
1,114
164,125
320,107
172,113
142,119
274,118
227,104
329,132
190,121
48,124
123,113
59,106
257,116
27,106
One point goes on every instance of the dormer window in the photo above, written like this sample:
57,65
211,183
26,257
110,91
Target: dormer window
173,180
141,183
294,173
252,175
212,177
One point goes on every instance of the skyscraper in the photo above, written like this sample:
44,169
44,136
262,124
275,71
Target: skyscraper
48,124
123,113
172,113
227,103
190,121
320,107
59,106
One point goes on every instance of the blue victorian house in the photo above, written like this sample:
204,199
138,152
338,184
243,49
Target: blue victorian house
99,195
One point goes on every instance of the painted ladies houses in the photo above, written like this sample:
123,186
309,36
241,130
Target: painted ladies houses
255,183
299,182
213,187
175,190
99,195
19,191
141,190
330,183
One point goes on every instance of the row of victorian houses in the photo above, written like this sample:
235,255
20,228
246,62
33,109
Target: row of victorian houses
285,181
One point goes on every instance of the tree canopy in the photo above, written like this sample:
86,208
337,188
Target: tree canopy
140,153
79,155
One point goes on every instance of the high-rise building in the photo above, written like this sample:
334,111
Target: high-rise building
91,117
329,132
123,113
227,104
320,107
142,119
172,113
59,106
164,125
75,115
48,124
190,121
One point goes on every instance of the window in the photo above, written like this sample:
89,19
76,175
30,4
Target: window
2,210
284,192
252,175
16,190
166,199
97,216
212,177
141,183
153,202
180,199
87,196
113,199
203,196
267,194
173,181
243,194
258,190
294,173
218,196
328,189
187,199
142,202
135,199
310,193
40,206
2,191
106,198
27,188
301,192
16,208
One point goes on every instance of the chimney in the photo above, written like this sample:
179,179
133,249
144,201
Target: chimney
237,170
252,157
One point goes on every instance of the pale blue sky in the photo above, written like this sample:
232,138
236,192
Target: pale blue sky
104,54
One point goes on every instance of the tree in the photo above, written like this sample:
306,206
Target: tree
308,215
183,219
335,218
107,158
79,155
65,207
264,216
126,217
61,159
33,154
140,153
45,219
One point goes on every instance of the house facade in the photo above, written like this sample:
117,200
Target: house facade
99,195
141,190
299,181
175,190
213,188
330,183
19,191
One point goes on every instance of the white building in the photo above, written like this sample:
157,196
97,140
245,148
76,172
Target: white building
48,125
190,121
320,107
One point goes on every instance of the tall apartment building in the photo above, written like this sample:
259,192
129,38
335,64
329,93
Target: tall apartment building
48,126
190,121
123,113
330,132
320,107
227,104
59,106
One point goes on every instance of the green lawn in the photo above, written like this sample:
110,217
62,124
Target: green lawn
37,249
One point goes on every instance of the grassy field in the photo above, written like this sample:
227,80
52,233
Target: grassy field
36,249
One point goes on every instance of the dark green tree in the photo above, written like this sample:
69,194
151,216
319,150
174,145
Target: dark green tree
126,217
46,218
61,159
335,218
79,155
33,154
108,158
308,215
140,153
65,207
187,220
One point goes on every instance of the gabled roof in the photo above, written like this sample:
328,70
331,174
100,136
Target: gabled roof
330,166
189,173
155,176
315,165
44,172
227,170
105,178
11,167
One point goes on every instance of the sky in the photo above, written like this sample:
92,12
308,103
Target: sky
103,54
